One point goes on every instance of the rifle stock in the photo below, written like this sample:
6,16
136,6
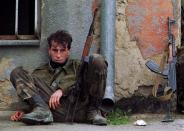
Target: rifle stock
87,46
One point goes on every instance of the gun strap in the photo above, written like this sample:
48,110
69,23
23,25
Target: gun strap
167,92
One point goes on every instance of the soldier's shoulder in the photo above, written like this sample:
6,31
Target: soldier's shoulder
42,67
75,62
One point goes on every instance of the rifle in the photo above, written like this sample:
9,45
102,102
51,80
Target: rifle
89,38
86,50
84,58
170,71
172,57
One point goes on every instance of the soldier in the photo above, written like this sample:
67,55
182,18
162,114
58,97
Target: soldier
50,89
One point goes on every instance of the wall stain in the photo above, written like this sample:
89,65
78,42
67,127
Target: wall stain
147,24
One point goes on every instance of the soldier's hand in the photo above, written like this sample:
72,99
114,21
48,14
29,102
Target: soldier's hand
16,116
54,101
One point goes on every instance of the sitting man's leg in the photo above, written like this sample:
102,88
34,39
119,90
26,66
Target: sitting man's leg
95,80
26,90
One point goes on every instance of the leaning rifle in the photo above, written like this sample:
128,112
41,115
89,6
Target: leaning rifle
170,71
86,51
84,59
172,57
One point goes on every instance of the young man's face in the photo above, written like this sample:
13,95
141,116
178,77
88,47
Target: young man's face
58,53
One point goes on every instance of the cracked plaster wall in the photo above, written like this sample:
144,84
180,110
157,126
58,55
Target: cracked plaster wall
131,72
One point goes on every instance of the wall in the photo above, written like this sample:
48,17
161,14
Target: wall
75,16
141,34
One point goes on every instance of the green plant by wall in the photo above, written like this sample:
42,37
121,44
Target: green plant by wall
118,117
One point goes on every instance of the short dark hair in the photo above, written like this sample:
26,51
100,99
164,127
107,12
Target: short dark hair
62,37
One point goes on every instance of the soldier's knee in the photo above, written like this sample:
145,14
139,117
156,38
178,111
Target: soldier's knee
98,61
15,72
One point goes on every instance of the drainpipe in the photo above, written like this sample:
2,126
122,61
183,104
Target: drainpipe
108,10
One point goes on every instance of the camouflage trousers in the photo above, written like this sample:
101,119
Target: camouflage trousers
72,108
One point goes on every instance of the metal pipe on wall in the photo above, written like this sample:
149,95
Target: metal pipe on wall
108,13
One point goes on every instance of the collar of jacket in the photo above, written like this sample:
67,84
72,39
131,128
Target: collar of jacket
64,67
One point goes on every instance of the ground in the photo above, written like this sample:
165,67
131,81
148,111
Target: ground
153,124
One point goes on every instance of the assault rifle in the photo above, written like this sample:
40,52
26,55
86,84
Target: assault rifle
172,57
169,72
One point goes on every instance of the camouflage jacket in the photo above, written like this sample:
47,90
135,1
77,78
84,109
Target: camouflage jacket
60,78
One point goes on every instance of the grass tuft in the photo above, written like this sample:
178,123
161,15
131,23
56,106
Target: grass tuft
117,117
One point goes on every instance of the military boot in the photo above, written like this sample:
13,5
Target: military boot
94,115
40,114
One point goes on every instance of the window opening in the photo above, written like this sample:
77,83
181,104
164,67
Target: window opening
19,19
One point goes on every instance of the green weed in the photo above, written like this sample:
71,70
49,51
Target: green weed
117,117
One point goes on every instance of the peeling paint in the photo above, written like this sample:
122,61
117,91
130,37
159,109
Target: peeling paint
147,24
7,95
7,92
6,66
142,25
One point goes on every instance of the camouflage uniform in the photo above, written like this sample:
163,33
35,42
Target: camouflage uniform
45,80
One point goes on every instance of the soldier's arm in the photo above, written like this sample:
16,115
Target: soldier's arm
54,101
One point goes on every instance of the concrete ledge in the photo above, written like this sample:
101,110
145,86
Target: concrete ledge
19,43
